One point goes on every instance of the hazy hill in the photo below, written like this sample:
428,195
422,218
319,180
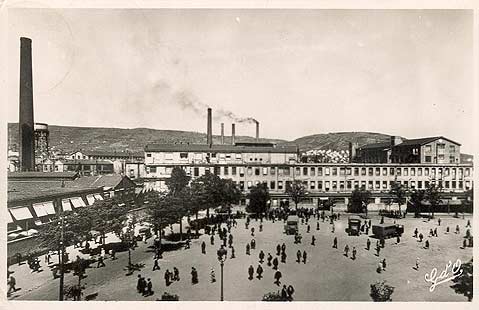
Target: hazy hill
68,138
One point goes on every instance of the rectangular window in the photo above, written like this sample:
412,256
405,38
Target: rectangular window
233,170
320,171
272,170
419,184
413,172
427,159
148,154
378,185
241,185
413,184
363,184
312,184
312,171
335,185
250,171
370,172
398,171
348,171
460,184
168,156
446,184
363,171
459,173
228,156
426,172
238,156
356,184
356,171
453,184
280,184
196,171
334,172
342,171
428,148
440,157
326,171
326,185
385,171
297,171
378,171
320,185
257,171
183,155
406,172
153,169
391,171
385,184
265,170
468,185
249,184
341,185
305,170
213,155
370,185
272,184
349,185
287,171
452,148
441,146
467,172
426,184
419,172
415,151
217,170
226,170
452,159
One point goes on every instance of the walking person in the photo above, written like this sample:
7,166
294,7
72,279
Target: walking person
149,287
12,282
335,243
167,277
269,259
346,250
368,244
298,256
212,275
283,257
290,292
277,277
317,225
384,264
176,274
194,275
313,239
203,247
278,249
156,265
233,252
138,284
100,262
304,257
212,240
247,249
261,257
253,244
250,272
275,263
417,263
354,253
259,271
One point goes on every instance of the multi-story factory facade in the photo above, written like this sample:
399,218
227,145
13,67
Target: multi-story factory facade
248,164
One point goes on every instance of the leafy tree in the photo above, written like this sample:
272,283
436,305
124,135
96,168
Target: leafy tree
296,191
417,197
108,216
231,193
433,197
359,200
50,234
178,181
380,291
463,283
208,192
258,199
398,193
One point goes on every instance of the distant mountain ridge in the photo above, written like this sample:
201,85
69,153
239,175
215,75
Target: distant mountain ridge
69,138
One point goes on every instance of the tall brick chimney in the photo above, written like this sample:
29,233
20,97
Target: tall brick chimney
26,123
222,133
209,129
257,131
233,134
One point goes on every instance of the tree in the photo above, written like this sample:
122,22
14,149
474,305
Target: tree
231,193
296,191
178,181
380,291
463,283
359,200
398,193
417,198
433,197
258,199
108,216
208,192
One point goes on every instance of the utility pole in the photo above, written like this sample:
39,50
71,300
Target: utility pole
61,252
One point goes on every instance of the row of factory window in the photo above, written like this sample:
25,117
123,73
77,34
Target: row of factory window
331,171
350,185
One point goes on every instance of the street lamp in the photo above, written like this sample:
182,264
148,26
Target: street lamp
61,253
222,254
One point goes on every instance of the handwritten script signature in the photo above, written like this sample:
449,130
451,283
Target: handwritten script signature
451,271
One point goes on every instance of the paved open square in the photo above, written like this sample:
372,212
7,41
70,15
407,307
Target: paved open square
327,275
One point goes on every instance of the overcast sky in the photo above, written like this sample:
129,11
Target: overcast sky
298,72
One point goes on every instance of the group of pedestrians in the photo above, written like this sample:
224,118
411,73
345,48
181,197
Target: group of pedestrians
144,287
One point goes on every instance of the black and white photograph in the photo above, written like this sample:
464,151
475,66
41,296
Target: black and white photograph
239,154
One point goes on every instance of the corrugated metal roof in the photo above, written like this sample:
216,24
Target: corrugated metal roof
105,180
382,145
32,189
218,148
112,154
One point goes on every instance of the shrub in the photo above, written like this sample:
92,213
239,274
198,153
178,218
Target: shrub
380,291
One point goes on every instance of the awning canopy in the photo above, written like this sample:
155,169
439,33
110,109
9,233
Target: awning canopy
66,205
77,202
98,197
21,213
40,209
9,218
49,207
90,199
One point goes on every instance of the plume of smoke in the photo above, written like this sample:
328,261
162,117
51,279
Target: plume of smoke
230,115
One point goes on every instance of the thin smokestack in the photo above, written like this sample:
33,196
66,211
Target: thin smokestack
233,134
26,123
222,133
209,129
257,131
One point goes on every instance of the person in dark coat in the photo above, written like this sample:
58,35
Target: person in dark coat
259,271
368,244
317,225
269,259
138,284
335,243
277,277
167,277
250,272
203,247
283,257
176,274
275,263
313,239
290,292
232,252
212,240
298,256
304,257
194,275
156,265
261,256
278,250
149,288
284,293
247,249
283,247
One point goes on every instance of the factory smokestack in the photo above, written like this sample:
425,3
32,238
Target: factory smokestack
257,131
233,134
25,123
209,130
222,133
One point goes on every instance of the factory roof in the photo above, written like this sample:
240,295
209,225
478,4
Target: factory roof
41,175
112,154
219,148
85,162
382,145
105,180
422,141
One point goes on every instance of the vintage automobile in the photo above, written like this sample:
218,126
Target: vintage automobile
291,226
383,231
354,225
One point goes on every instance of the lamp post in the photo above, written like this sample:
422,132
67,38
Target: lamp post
222,254
61,254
